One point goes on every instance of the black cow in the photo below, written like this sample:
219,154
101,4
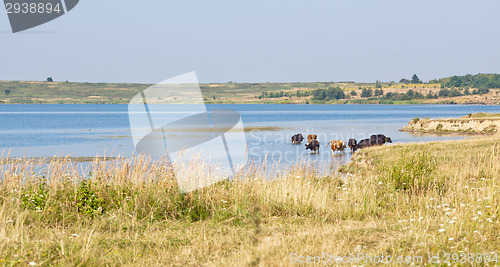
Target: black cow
379,139
297,139
363,143
313,146
354,145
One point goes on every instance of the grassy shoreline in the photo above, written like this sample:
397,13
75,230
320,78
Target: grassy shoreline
411,199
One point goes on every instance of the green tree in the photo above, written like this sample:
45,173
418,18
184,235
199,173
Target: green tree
415,79
454,92
334,93
319,94
443,92
366,92
410,93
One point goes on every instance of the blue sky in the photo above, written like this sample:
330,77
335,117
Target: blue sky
256,41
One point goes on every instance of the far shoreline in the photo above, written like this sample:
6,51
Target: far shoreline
325,93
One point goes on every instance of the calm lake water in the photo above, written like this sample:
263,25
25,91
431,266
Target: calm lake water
90,130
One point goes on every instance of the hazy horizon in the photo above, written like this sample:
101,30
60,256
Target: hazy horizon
249,42
340,81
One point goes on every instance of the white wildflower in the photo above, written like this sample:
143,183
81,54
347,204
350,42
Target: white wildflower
441,230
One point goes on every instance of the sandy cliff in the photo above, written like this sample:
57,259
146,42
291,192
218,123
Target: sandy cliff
479,123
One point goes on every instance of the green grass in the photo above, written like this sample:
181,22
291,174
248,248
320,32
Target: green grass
410,199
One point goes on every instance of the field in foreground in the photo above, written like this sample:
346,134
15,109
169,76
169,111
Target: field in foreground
400,200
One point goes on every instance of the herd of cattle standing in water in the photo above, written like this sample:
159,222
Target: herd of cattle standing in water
339,145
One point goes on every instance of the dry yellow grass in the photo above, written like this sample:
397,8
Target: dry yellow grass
399,200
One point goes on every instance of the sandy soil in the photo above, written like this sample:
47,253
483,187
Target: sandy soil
468,125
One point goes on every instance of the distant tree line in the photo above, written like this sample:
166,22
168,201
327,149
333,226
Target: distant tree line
411,95
414,79
480,81
297,93
332,93
368,92
450,87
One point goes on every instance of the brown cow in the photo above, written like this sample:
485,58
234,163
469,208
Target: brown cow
337,145
352,144
311,137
